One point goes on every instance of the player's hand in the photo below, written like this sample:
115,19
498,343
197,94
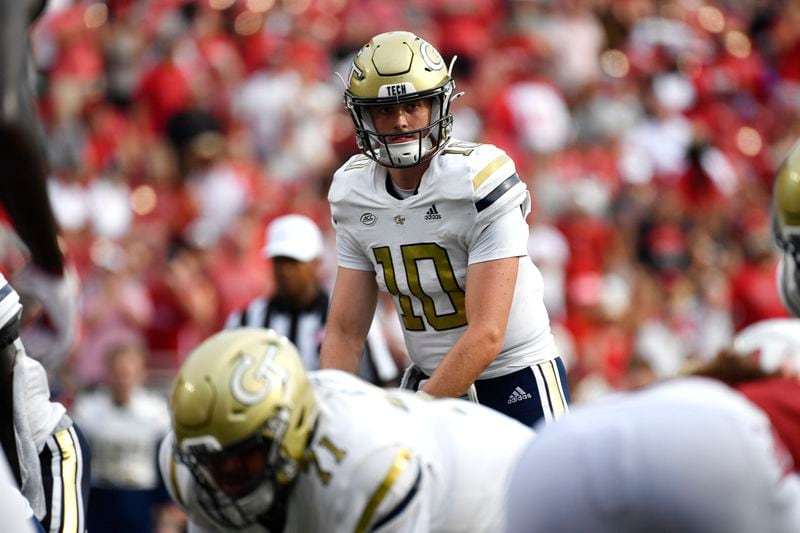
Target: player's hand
50,313
424,395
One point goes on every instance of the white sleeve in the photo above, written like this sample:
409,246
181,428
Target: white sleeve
349,254
506,236
397,498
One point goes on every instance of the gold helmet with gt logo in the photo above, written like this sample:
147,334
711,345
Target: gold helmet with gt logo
786,228
243,412
786,203
395,68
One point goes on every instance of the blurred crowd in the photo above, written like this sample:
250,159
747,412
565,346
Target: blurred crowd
647,130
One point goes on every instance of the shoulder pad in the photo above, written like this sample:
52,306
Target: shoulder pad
348,177
496,185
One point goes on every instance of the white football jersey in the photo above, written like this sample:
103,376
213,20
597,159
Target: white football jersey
389,461
470,207
689,455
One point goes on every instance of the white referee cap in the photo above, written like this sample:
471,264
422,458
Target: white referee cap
293,236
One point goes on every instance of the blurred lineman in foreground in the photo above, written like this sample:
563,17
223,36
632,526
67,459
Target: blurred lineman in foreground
717,452
47,453
47,285
259,444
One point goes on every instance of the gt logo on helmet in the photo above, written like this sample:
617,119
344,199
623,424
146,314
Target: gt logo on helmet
265,375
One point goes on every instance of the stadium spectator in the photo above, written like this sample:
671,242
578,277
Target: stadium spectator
124,424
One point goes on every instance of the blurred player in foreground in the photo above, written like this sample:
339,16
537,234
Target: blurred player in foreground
718,452
46,452
50,333
259,444
14,508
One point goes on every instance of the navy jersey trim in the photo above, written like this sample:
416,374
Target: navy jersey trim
497,192
5,291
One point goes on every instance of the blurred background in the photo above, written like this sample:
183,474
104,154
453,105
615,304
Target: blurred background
647,130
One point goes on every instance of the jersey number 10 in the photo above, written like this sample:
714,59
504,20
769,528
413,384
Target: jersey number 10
412,255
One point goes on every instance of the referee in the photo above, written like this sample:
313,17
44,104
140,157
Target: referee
298,309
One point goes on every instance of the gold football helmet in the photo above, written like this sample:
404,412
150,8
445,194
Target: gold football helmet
243,412
786,228
786,202
393,68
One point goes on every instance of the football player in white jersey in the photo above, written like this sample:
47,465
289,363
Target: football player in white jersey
786,228
692,454
440,225
259,444
689,455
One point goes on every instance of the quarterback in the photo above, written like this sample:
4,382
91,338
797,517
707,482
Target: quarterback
440,225
258,444
786,228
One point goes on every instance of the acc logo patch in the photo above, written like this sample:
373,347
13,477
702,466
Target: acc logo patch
368,219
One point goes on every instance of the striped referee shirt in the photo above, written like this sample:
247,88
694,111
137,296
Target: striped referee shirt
305,327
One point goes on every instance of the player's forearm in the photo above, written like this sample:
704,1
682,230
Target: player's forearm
465,362
341,351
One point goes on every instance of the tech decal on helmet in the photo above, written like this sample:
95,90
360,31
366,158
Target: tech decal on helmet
393,68
242,398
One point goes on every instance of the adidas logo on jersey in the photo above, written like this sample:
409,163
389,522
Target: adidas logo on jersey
517,396
433,213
